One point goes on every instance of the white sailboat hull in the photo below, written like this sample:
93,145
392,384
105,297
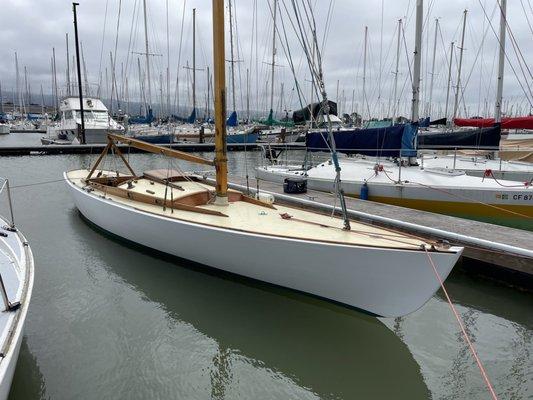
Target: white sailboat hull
385,282
18,275
508,203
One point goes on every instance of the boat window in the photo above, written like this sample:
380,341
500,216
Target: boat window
96,116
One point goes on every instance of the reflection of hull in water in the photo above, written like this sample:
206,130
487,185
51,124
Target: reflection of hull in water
326,349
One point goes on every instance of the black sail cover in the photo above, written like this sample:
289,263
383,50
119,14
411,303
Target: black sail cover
479,138
300,116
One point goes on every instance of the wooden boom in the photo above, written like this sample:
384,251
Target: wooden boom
151,148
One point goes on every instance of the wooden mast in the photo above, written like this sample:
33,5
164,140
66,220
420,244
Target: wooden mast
221,161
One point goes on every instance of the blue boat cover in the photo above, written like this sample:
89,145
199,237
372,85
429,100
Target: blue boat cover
192,117
232,120
148,119
33,117
424,122
409,140
377,142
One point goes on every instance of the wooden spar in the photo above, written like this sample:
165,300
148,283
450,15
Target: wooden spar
139,144
122,158
106,149
151,148
221,160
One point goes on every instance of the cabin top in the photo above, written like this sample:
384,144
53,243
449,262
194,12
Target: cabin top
89,103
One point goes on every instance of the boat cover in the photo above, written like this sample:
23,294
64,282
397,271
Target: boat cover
486,138
300,116
424,122
507,123
377,142
232,120
270,121
440,121
148,119
192,117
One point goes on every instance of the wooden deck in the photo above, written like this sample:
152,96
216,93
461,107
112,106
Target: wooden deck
455,230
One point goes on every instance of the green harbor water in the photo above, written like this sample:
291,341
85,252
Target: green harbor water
110,321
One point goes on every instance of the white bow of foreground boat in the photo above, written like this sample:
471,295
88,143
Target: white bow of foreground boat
17,272
380,271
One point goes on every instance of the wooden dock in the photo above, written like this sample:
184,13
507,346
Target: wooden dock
189,147
53,149
497,250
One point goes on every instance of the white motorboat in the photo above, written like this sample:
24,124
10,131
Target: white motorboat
98,122
16,284
377,270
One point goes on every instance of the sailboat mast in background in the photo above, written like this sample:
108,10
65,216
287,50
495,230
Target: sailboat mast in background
501,63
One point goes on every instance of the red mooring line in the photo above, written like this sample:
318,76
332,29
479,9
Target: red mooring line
460,322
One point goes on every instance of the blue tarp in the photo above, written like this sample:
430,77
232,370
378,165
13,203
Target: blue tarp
424,122
33,117
409,140
232,120
192,117
383,142
148,119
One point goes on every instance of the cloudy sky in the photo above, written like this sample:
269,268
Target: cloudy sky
32,28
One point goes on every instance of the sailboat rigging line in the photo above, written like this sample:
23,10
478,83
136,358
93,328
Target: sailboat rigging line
239,53
489,172
317,69
328,24
527,95
480,48
101,49
515,45
527,18
179,57
133,24
463,330
300,36
287,50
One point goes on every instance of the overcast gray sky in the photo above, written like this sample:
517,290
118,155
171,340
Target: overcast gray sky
32,28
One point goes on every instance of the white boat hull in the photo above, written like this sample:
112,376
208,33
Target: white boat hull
384,282
13,321
510,203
